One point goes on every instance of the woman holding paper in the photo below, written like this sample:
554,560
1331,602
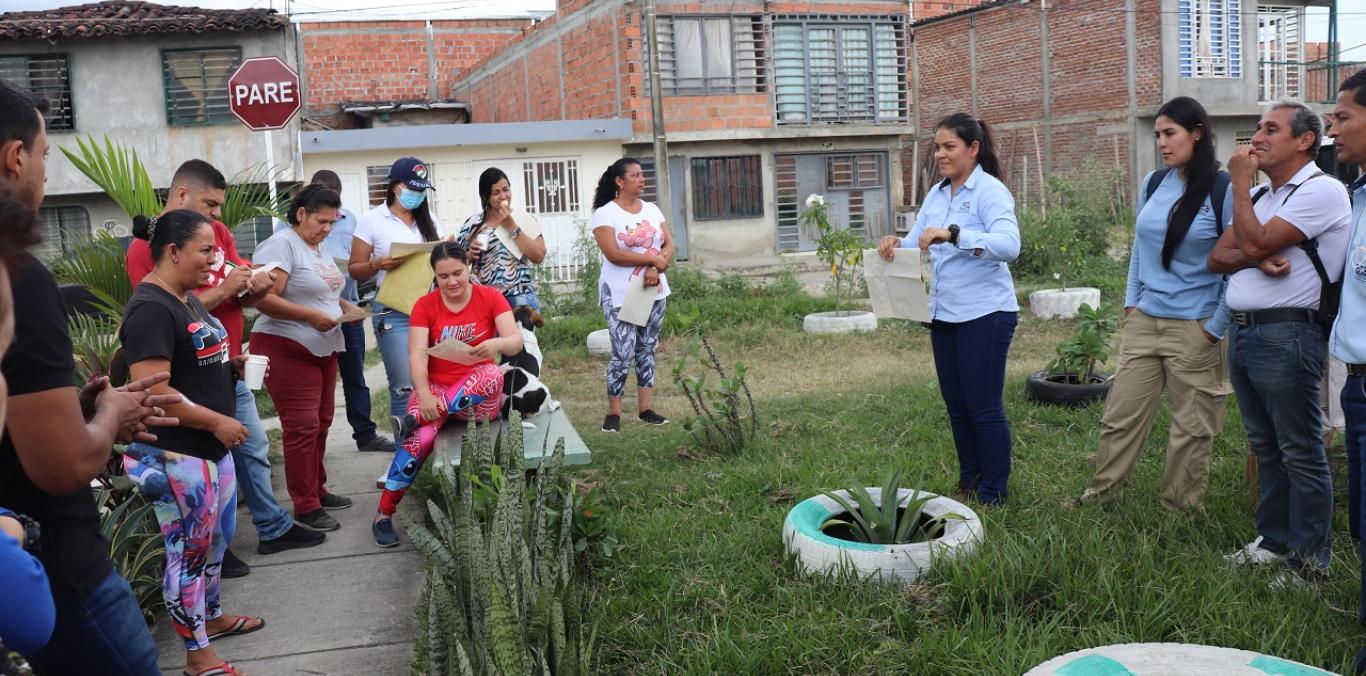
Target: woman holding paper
967,224
300,332
636,249
453,335
404,218
503,248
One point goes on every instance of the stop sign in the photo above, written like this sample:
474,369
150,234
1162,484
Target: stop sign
264,93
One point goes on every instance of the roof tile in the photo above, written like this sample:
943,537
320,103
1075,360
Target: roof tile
115,18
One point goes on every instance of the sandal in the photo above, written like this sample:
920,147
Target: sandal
223,669
239,627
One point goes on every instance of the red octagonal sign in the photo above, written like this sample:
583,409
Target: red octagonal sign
264,93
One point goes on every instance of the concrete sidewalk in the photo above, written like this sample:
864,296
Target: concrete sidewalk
343,607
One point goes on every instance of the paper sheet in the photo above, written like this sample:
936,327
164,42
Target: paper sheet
531,229
900,288
355,315
640,299
405,284
260,271
402,249
453,350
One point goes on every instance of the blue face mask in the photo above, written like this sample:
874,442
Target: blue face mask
411,199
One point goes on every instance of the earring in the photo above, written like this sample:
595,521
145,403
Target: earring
175,260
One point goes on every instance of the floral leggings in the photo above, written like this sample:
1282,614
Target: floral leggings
480,396
631,341
194,502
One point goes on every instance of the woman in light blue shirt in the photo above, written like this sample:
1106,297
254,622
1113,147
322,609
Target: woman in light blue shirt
967,224
1170,298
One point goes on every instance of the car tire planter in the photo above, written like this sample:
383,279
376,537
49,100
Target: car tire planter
821,553
844,321
1130,659
1062,303
1041,389
600,343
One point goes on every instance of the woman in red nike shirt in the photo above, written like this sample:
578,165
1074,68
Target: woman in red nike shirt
460,310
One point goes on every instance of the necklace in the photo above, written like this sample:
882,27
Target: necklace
167,287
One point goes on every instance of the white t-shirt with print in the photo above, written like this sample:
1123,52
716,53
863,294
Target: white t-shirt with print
380,228
1319,208
641,233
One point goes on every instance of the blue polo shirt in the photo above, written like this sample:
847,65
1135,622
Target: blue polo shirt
1348,341
970,280
1186,289
338,245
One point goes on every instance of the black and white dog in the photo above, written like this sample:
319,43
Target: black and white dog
526,394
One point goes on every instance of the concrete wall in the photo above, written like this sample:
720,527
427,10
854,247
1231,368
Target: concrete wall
117,89
1220,96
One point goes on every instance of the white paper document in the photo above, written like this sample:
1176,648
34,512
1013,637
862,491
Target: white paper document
640,299
900,288
259,271
531,229
403,249
453,350
355,314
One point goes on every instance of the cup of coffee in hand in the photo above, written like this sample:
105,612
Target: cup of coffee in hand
254,371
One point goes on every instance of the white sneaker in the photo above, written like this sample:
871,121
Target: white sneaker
1289,579
1252,554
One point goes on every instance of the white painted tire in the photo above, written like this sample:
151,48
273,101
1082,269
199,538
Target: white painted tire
1171,658
821,553
1062,303
845,321
600,343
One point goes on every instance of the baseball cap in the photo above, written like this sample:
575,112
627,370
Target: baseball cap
412,172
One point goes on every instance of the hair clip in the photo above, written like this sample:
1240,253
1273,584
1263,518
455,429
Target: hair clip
151,228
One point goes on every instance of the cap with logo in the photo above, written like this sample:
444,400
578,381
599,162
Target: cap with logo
412,173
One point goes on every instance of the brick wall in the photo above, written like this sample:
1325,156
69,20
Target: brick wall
385,61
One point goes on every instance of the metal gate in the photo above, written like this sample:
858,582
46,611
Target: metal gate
856,190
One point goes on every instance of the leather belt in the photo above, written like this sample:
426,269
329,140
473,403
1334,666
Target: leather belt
1356,369
1273,315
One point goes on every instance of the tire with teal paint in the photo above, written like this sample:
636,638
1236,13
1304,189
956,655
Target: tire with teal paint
1140,659
817,552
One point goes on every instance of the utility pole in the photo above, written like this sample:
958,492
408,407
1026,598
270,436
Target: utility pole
662,194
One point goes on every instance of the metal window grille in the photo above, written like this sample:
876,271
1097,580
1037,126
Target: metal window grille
853,172
47,76
1279,52
1209,38
196,82
250,233
788,202
64,229
552,186
711,55
850,69
1243,137
376,183
727,187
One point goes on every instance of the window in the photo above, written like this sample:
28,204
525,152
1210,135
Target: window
251,232
1210,38
845,71
63,229
1244,137
376,182
552,186
197,84
727,187
1280,71
711,55
49,77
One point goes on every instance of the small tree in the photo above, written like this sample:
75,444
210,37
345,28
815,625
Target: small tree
838,248
1076,358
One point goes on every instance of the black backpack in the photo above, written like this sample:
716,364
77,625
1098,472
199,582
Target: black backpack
1216,193
1330,293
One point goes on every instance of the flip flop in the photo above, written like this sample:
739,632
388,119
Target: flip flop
223,669
239,626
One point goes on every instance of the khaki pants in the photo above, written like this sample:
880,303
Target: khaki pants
1155,355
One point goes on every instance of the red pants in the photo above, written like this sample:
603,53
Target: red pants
303,387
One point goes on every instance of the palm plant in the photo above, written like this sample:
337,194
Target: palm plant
248,196
885,520
117,170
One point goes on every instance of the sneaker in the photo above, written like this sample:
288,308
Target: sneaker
1253,554
611,423
379,444
297,537
383,530
233,566
317,520
403,425
332,501
1301,580
649,417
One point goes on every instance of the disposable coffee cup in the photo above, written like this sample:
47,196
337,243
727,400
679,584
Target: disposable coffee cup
483,239
254,370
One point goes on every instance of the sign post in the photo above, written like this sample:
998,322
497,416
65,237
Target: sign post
264,94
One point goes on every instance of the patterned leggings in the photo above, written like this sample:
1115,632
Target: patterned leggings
194,502
628,341
480,397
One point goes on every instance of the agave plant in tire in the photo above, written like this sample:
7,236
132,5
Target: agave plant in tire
884,522
1070,378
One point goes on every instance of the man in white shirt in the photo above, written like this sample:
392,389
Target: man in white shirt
1278,346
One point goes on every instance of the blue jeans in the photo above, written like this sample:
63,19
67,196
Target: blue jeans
351,363
970,360
252,459
102,632
1276,370
528,298
1354,410
391,332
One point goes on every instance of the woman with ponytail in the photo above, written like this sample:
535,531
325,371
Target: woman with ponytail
1171,295
967,224
635,242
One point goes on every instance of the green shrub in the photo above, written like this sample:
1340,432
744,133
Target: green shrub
1076,358
1085,207
723,421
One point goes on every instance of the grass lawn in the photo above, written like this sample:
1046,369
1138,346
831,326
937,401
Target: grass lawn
701,584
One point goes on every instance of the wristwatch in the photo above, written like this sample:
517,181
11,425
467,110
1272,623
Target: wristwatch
33,533
516,232
953,233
